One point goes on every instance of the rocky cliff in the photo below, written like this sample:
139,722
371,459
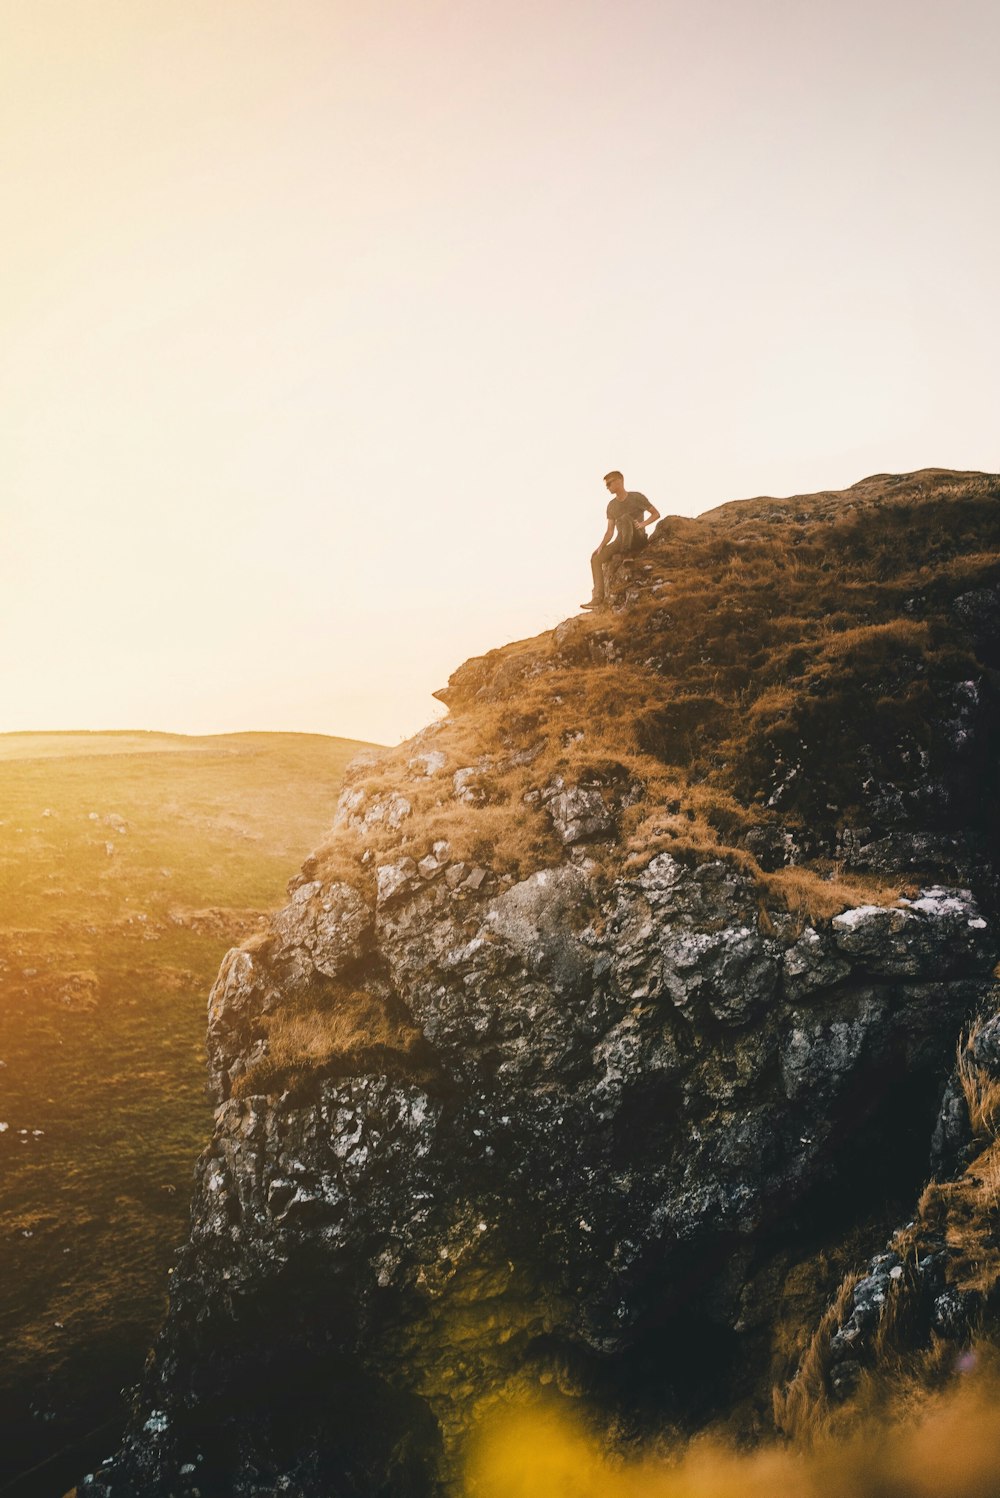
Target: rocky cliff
610,1028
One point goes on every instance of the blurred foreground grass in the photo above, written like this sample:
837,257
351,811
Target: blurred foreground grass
943,1444
129,863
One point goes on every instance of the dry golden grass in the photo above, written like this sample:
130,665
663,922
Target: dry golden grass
301,1041
815,897
801,1408
772,703
877,641
987,1169
981,1091
934,1445
901,1362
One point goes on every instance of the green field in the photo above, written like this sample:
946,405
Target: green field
129,863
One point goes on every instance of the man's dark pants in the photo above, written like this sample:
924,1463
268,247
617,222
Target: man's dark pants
604,555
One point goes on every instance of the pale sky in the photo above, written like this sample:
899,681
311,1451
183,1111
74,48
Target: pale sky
321,320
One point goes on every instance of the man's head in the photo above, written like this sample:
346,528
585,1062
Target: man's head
614,483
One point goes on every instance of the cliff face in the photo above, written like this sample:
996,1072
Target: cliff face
614,1019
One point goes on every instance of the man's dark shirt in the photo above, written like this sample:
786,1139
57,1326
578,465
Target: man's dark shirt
627,514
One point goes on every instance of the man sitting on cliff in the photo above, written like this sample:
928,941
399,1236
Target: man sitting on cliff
627,524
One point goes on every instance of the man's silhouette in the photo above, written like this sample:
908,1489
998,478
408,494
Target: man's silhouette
626,532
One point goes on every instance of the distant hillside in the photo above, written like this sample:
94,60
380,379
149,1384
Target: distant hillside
129,862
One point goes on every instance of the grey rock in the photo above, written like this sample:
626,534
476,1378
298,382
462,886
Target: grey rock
844,1343
940,934
732,972
980,607
986,1046
394,880
952,1134
811,964
775,847
392,810
954,855
536,919
822,1051
349,805
673,890
243,991
955,1312
356,808
234,990
844,1378
525,756
466,785
579,814
332,924
431,762
639,1044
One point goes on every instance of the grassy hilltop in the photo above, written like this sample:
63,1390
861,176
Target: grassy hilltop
129,862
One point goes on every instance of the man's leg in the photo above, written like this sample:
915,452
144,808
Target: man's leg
597,568
598,561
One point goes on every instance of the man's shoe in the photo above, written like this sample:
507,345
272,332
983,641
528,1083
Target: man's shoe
593,603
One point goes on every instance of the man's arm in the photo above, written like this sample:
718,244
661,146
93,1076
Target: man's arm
654,515
606,537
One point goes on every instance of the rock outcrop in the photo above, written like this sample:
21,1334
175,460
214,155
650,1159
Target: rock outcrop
574,1040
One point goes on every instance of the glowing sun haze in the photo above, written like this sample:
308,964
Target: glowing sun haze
321,321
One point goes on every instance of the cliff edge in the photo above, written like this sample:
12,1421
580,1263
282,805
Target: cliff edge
611,1027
